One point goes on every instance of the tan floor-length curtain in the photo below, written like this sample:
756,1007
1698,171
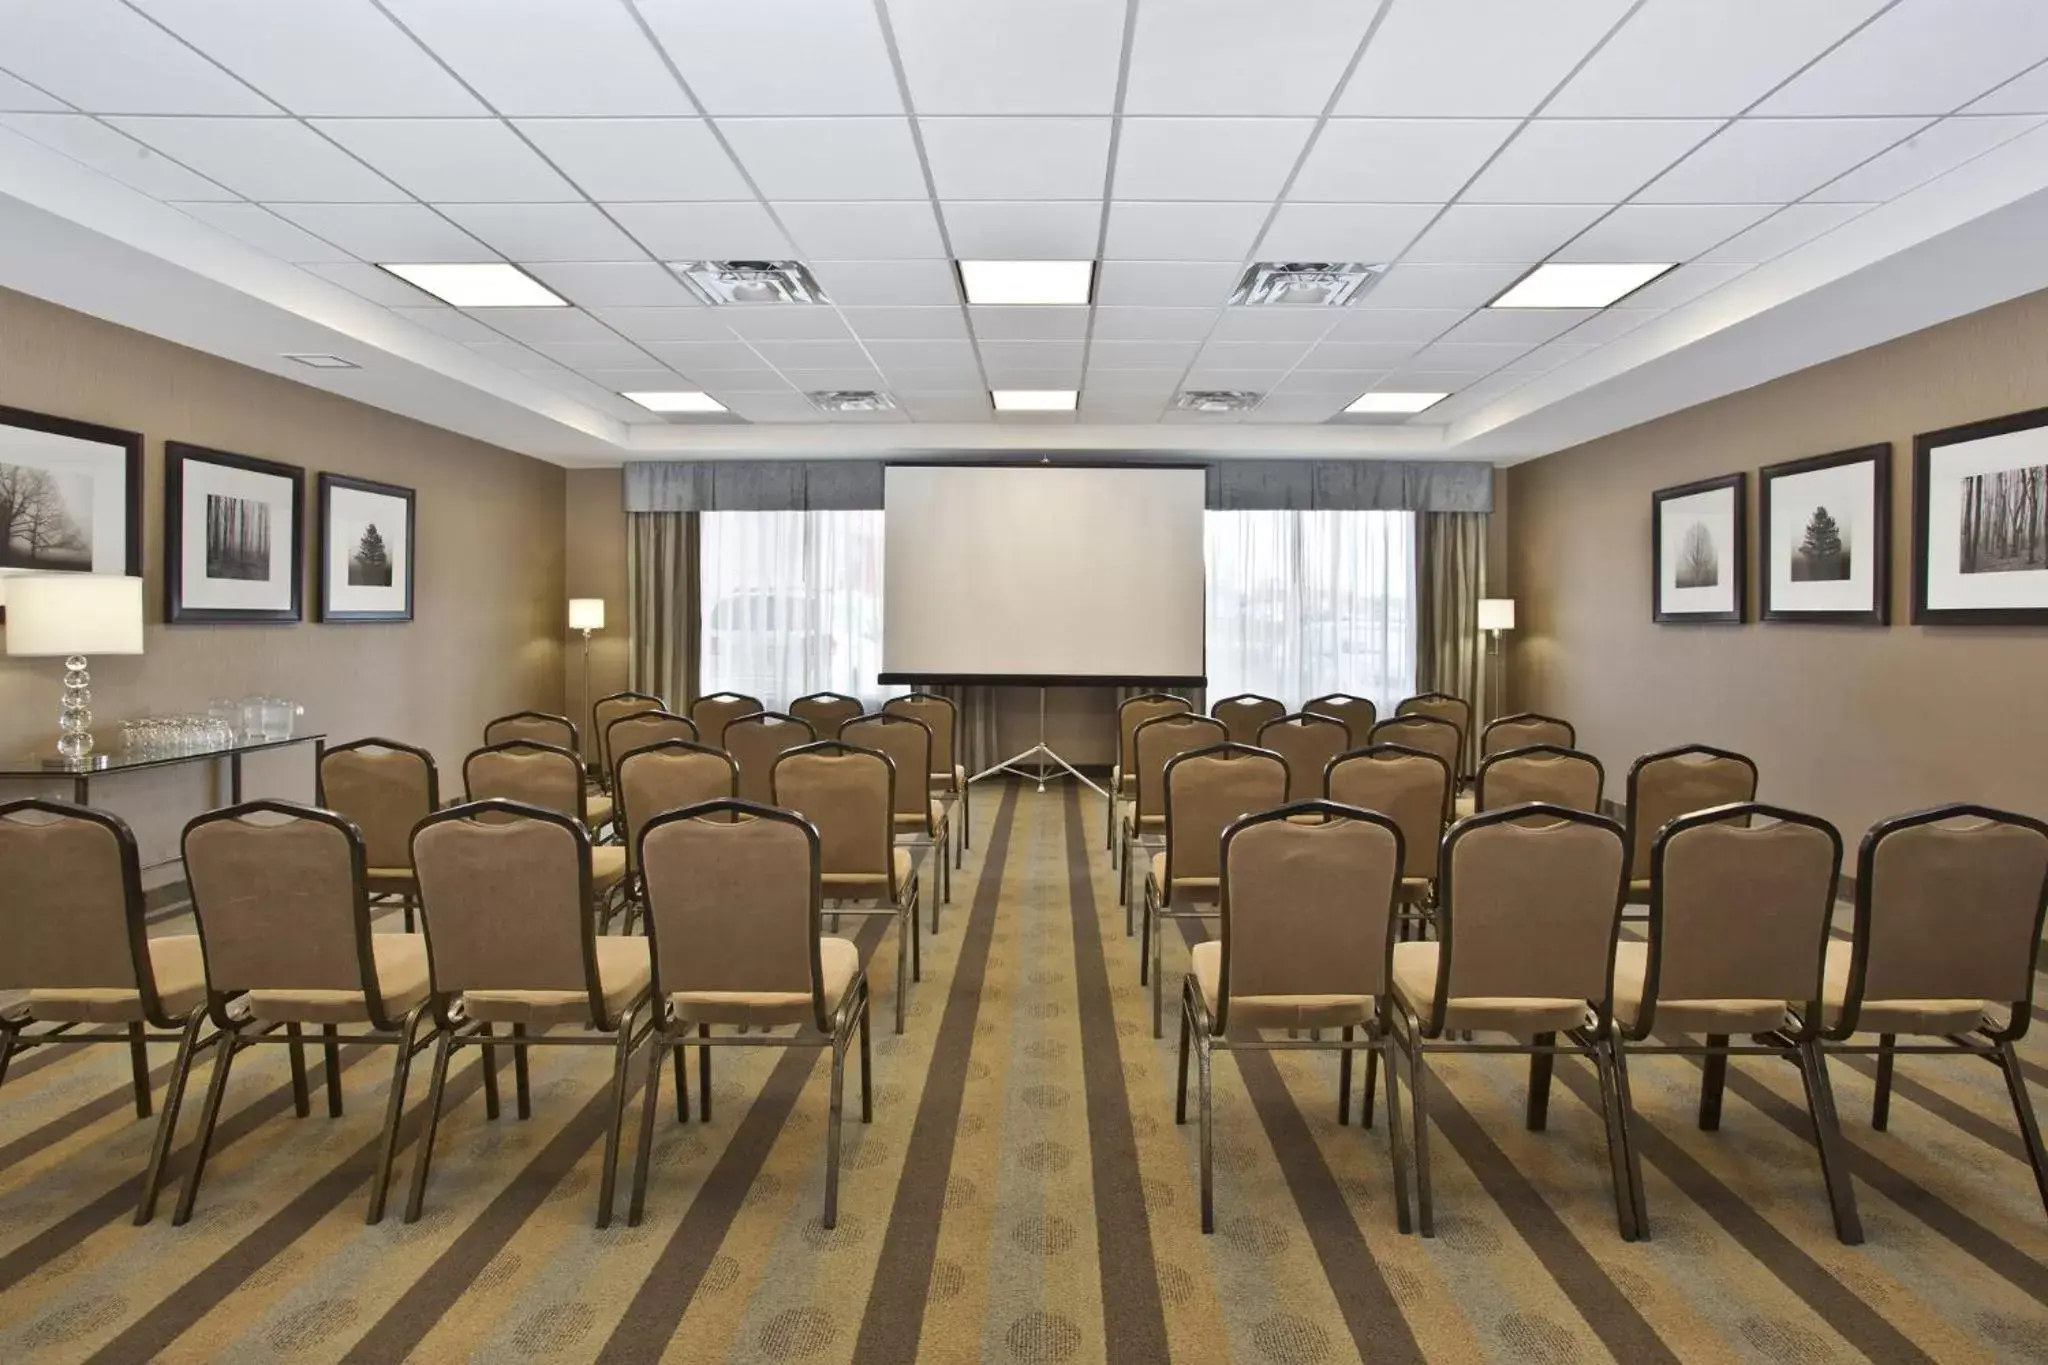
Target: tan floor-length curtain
977,706
662,612
1450,577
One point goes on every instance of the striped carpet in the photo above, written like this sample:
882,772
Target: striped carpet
1023,1195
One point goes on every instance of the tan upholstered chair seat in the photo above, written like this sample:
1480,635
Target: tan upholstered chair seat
1893,1016
384,877
1185,888
867,885
1631,969
917,822
1639,891
838,961
607,865
1415,986
959,779
1414,889
1467,803
180,985
401,961
1275,1011
623,975
597,810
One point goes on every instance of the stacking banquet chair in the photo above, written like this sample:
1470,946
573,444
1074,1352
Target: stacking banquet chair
502,891
848,794
826,711
1523,729
603,712
755,741
385,788
1949,906
1408,786
711,714
1431,735
735,931
1359,714
638,731
1243,714
1307,921
656,778
1308,742
1153,745
552,779
1123,778
949,774
539,727
72,918
1206,789
1675,782
922,820
1440,706
1527,924
1540,772
1737,934
283,913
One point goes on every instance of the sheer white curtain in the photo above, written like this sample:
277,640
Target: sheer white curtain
792,604
1302,604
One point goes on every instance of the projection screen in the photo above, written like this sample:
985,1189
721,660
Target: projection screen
1042,574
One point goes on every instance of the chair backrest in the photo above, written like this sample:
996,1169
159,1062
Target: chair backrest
1243,714
1206,790
1523,729
668,775
505,902
1406,785
1135,711
1741,908
711,714
1359,714
640,729
908,743
528,773
755,741
385,788
1432,735
1675,782
605,710
942,718
1440,705
1948,907
72,912
1308,742
1541,772
733,901
1157,741
826,711
847,793
1529,909
537,727
1308,905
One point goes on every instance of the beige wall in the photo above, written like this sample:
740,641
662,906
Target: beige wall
1852,723
594,538
488,630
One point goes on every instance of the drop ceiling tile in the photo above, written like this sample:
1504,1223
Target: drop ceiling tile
639,380
729,231
872,283
719,383
1153,324
836,377
783,322
1165,284
548,57
1774,161
1299,325
906,324
1482,357
108,151
1141,355
1257,381
1208,158
1215,57
1439,286
1549,357
2024,94
1117,407
259,227
1182,232
639,160
1002,378
864,231
1036,419
602,399
955,379
1487,233
1931,152
773,407
612,284
1526,325
1791,226
1614,322
1381,325
1285,407
1410,161
593,354
264,158
541,327
1252,355
1685,284
1017,158
20,96
984,230
513,356
1031,355
1424,61
378,286
1345,384
1920,57
1176,418
827,57
448,322
1358,355
1661,232
828,158
1586,161
107,59
1429,381
654,324
946,407
1343,232
1161,381
846,354
894,356
1042,323
545,232
388,232
1010,56
693,357
479,161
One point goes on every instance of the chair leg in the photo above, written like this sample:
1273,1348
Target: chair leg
138,1062
916,945
837,1102
2023,1110
1617,1161
1344,1082
681,1066
1881,1101
903,932
1205,1097
608,1184
1396,1141
522,1085
1180,1091
1418,1096
703,1074
867,1067
209,1115
1713,1078
1540,1066
167,1122
330,1057
490,1066
302,1099
394,1116
1630,1155
7,1041
425,1156
1827,1139
1372,1075
1145,948
408,912
1158,937
644,1154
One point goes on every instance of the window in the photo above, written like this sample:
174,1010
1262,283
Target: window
1301,604
792,603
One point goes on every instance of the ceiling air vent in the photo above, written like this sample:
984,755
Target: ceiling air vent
1304,284
1217,400
851,400
749,282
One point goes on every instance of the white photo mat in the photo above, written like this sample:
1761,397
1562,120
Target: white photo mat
1684,520
350,512
1849,496
272,592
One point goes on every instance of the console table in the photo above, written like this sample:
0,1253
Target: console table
42,768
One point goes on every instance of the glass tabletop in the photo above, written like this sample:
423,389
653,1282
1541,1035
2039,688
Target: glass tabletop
114,761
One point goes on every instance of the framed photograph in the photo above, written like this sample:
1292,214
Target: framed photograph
234,537
366,543
1698,552
70,498
1827,532
1980,523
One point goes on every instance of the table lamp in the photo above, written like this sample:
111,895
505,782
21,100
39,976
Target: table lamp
68,616
1496,614
586,614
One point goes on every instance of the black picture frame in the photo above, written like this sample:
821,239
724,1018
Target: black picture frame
177,611
1926,446
324,608
1879,459
1736,485
130,444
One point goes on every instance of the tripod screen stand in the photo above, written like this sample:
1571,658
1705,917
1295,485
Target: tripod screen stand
1044,763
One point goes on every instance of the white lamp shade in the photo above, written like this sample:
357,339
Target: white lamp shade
586,613
51,615
1496,613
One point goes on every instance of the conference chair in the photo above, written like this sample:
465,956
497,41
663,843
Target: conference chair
604,711
653,779
1445,707
711,714
1523,729
1737,936
78,946
552,779
1308,742
539,727
755,741
1432,735
848,794
1949,905
1206,789
1674,782
502,891
1546,773
1153,745
1123,778
826,711
736,935
1243,714
283,913
385,788
1527,927
921,819
949,775
1407,786
1305,944
594,810
638,731
1359,714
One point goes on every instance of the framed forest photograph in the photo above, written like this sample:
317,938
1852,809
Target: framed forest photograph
234,537
1980,522
366,550
1698,551
1826,526
70,498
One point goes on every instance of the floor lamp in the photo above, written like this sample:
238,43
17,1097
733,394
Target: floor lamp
1497,614
586,614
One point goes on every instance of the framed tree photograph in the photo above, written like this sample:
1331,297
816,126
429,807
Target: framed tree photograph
1826,525
234,538
1980,523
1698,551
366,550
70,498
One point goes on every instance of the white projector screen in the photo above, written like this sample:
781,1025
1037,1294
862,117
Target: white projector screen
1042,574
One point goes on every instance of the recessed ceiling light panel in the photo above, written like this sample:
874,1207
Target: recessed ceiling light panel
678,401
1575,284
321,361
1383,402
1217,400
1304,284
851,400
750,282
1034,400
479,285
998,282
